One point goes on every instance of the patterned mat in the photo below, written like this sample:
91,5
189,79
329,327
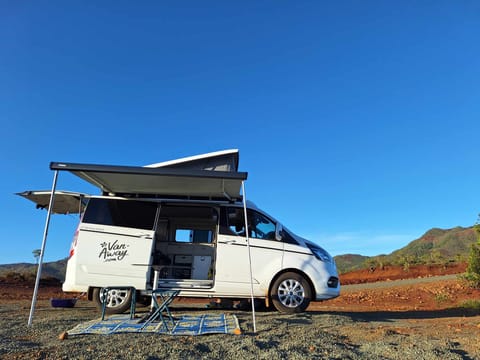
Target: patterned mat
185,325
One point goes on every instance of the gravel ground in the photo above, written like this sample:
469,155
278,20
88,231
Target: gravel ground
315,334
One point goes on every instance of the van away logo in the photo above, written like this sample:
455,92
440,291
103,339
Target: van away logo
113,251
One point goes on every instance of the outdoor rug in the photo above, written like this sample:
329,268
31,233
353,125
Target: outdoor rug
185,325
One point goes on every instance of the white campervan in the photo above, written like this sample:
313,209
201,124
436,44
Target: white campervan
181,225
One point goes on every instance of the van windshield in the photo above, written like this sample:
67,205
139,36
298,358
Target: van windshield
125,213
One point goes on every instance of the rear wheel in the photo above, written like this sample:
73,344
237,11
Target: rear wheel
291,293
118,301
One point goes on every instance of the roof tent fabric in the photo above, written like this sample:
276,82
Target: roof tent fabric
225,160
161,181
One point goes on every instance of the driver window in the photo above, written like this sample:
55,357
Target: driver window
259,225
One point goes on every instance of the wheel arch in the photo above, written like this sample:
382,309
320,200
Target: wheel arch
293,270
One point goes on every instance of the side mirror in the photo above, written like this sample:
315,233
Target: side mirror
278,232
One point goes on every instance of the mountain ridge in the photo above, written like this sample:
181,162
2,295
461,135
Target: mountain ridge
435,246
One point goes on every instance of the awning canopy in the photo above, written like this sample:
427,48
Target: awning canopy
211,175
66,202
120,180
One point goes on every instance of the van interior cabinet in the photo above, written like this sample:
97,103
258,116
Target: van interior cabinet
201,267
182,267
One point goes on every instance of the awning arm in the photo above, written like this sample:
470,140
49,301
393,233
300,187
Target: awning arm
42,251
249,255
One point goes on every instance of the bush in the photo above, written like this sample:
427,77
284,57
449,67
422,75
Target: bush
18,277
473,269
471,304
441,298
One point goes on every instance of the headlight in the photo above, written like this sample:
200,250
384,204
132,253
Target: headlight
321,254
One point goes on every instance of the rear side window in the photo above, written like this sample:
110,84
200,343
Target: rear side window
125,213
193,236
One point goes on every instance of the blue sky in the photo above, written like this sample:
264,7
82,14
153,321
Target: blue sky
357,121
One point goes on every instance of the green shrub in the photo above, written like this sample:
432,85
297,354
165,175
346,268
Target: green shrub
473,269
21,277
471,304
441,298
472,274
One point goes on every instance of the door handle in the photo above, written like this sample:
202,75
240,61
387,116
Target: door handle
229,242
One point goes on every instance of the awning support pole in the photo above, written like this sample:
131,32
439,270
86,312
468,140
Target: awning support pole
249,255
42,251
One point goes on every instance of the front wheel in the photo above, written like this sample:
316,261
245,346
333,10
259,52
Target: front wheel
118,301
291,293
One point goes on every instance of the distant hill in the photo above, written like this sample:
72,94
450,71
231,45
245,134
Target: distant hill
350,262
436,246
55,269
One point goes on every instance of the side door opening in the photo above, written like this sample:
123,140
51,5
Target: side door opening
184,252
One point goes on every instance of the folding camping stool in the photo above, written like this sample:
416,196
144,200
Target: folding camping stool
133,301
166,297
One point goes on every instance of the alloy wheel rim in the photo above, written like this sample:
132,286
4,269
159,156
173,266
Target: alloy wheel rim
115,297
291,293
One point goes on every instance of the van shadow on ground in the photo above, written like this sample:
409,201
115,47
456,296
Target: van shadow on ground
392,315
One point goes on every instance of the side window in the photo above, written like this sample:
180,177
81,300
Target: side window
233,223
236,221
125,213
287,238
183,235
260,226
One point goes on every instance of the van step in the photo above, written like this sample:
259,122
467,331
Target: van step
185,284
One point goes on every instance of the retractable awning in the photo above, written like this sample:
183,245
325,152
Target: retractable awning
211,175
66,202
159,181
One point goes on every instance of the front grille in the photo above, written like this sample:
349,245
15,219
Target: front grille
332,282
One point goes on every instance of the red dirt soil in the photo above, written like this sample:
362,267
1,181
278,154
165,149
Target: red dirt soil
428,292
423,295
388,273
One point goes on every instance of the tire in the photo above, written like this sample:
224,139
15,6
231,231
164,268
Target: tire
291,293
118,300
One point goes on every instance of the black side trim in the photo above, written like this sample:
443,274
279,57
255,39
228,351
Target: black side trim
112,233
266,247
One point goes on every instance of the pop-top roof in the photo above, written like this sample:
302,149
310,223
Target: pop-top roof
196,176
225,160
